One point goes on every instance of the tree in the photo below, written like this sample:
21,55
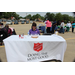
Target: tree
20,17
59,16
1,13
9,15
52,16
47,16
42,18
71,18
28,16
37,16
66,17
33,17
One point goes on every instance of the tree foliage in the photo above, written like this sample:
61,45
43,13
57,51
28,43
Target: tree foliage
8,15
48,15
59,17
34,17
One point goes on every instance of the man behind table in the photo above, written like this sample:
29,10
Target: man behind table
53,26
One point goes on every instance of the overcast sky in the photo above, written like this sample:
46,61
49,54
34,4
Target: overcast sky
23,14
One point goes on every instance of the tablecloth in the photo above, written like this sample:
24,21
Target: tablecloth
38,49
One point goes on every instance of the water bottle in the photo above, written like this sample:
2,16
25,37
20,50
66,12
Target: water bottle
22,36
28,33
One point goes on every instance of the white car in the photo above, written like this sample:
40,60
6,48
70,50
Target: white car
31,22
9,22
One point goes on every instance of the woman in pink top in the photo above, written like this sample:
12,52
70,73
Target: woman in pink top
48,25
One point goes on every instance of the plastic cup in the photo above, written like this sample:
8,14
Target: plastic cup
19,35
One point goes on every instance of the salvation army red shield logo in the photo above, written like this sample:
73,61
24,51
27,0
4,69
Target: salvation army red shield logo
38,46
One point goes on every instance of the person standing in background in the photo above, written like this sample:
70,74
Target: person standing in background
48,25
73,26
68,25
62,27
45,25
53,26
71,22
58,23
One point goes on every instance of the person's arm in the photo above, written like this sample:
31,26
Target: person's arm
51,23
10,31
55,24
63,25
45,22
71,25
60,25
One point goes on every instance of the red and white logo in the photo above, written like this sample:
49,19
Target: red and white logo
38,46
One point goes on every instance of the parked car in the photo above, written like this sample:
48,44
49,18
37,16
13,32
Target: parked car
0,20
4,20
27,22
9,22
16,22
31,22
22,22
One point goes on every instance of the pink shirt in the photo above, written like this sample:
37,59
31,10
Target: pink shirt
48,23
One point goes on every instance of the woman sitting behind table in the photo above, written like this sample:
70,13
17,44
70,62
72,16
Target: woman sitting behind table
34,30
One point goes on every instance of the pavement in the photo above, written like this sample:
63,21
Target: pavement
69,55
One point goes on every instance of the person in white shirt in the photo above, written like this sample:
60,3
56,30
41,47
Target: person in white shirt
62,27
68,25
62,24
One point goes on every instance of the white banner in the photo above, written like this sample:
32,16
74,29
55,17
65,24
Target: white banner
30,49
